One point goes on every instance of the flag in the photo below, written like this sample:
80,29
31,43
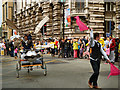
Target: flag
114,71
81,25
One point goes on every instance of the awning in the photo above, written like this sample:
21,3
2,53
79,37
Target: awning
42,22
11,24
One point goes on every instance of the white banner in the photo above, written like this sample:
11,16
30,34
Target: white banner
45,46
39,26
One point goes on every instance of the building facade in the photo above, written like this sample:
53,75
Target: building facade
96,14
7,13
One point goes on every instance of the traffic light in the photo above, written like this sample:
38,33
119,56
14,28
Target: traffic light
42,30
112,25
45,27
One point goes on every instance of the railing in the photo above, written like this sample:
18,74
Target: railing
78,10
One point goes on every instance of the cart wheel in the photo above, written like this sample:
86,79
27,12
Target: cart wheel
45,69
17,69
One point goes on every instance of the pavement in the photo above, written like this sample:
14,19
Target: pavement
62,73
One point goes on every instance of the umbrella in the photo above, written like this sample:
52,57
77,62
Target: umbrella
114,71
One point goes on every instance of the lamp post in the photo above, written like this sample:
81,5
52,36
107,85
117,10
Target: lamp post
51,4
62,30
63,19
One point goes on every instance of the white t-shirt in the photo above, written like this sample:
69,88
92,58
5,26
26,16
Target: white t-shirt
1,44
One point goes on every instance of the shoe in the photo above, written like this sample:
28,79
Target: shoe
90,84
96,87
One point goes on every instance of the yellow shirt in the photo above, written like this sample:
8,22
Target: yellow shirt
101,41
119,48
75,46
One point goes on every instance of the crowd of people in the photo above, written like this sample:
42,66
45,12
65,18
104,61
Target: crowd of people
65,48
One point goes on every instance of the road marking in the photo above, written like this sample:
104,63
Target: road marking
8,61
50,61
16,62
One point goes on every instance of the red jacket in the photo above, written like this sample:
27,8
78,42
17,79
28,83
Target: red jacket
112,45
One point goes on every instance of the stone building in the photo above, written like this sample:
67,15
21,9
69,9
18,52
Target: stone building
7,13
96,14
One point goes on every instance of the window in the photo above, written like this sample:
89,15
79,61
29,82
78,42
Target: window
3,14
6,10
77,30
109,6
79,6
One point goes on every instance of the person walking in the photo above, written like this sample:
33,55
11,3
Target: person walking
16,51
11,48
61,48
66,49
69,48
7,47
116,50
95,58
81,49
112,51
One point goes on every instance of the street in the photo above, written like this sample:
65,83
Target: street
62,73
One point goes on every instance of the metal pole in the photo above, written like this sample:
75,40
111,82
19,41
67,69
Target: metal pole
60,21
43,32
110,27
63,19
52,24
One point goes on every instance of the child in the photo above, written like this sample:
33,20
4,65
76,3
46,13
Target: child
107,50
16,52
87,53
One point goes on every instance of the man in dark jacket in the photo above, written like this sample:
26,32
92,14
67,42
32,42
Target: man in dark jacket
7,47
62,46
11,45
116,50
66,49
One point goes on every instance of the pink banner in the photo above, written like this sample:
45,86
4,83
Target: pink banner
81,25
114,71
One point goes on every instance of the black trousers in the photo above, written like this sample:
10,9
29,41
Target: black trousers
78,53
96,67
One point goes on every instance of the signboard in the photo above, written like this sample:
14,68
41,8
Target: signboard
107,34
42,22
67,18
14,32
119,27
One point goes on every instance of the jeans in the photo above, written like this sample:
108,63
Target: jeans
61,53
112,56
56,51
96,67
78,53
66,53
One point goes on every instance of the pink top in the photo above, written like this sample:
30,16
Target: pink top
108,51
16,50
